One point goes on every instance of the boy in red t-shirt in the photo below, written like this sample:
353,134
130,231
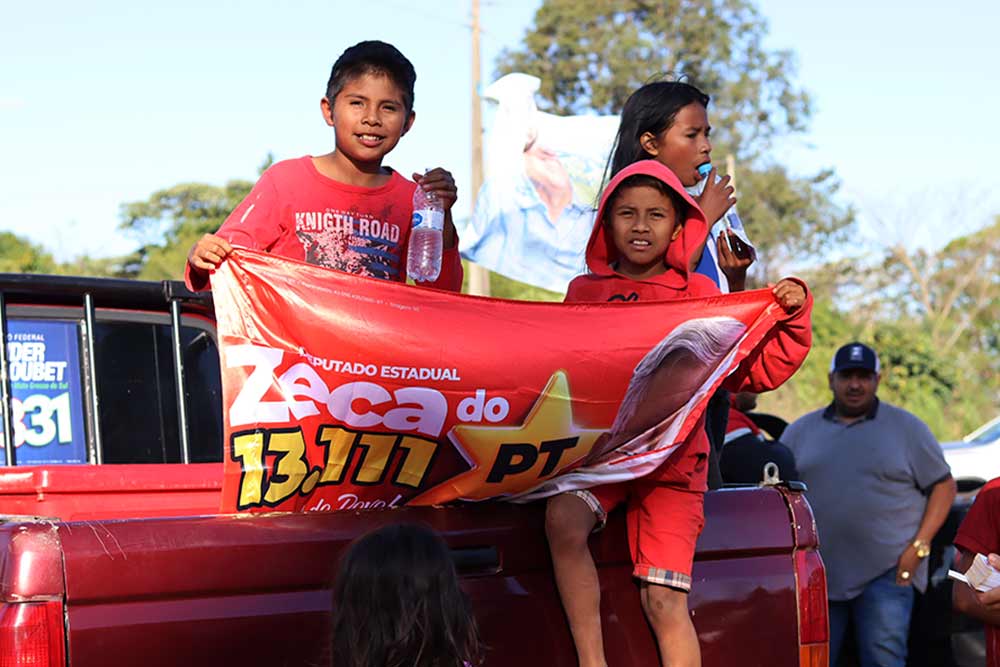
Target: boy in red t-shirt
980,534
644,239
343,210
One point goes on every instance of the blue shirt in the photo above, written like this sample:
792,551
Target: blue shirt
511,233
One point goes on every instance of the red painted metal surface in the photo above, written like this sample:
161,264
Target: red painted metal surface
255,590
803,523
89,492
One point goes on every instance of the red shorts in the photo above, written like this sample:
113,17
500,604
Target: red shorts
664,516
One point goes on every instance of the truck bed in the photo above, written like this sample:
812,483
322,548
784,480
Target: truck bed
256,590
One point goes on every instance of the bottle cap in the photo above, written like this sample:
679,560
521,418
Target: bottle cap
705,169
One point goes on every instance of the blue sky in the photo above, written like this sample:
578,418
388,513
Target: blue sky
104,102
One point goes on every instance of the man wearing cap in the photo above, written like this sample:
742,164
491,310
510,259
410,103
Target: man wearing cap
879,487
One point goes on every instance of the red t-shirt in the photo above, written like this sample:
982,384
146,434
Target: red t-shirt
980,533
297,212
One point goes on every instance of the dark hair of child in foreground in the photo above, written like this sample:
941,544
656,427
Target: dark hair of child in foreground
397,603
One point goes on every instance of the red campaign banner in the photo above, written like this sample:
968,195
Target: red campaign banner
343,392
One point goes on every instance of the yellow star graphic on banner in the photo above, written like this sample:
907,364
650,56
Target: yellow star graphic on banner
511,459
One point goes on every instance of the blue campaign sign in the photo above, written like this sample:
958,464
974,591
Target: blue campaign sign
47,405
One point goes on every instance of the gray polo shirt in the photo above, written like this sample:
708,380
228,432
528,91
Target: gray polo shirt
868,484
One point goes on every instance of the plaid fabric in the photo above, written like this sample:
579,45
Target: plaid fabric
656,575
594,504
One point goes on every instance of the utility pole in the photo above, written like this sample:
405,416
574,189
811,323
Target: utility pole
479,276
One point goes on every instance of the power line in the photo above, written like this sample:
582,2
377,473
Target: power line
430,16
434,16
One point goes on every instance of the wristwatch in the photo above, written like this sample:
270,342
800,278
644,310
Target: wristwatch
923,548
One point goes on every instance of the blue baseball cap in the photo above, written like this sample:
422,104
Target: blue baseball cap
855,355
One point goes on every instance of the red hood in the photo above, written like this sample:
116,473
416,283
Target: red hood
601,252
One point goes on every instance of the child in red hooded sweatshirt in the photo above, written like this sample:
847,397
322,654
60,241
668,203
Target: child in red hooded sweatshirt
646,233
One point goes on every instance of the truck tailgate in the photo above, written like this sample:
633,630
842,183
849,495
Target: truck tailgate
256,590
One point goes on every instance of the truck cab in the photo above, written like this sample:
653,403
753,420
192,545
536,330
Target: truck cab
108,372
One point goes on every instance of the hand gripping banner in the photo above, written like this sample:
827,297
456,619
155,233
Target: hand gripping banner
342,392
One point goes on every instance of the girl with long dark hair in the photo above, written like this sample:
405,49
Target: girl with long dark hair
397,603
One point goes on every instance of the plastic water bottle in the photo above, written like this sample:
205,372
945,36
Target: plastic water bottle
423,263
731,218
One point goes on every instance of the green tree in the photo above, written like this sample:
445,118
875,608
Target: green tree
807,389
916,375
171,220
790,218
954,291
18,255
85,265
949,296
932,315
591,56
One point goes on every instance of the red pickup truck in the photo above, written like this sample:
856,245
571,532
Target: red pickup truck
113,402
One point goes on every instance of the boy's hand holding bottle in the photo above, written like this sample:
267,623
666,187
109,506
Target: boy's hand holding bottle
433,229
440,183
